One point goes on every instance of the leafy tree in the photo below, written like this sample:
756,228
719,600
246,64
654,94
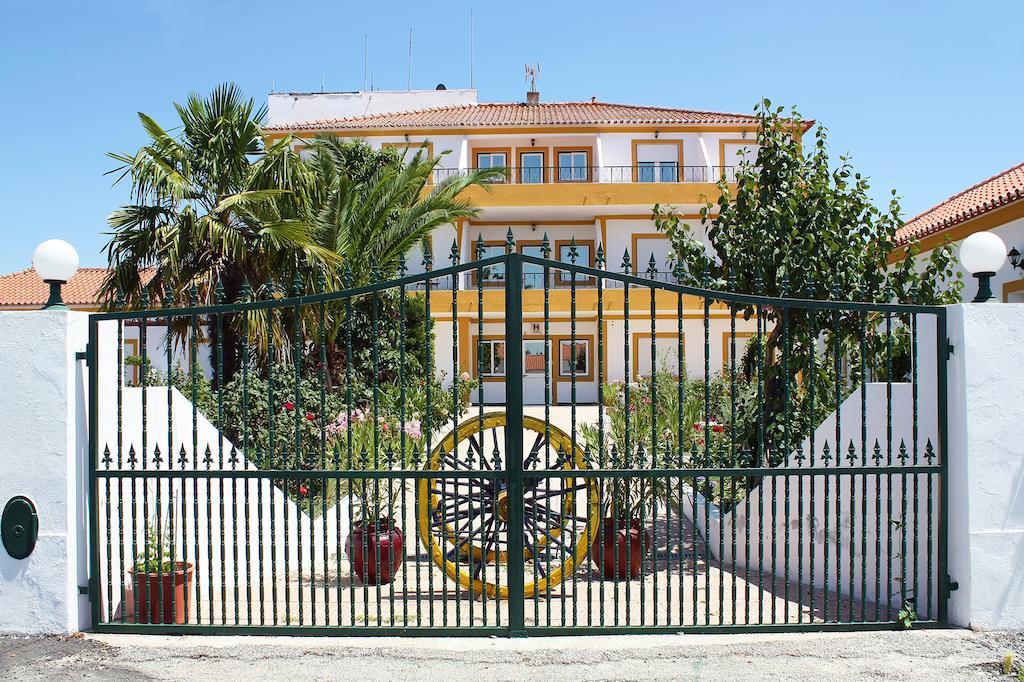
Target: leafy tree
796,226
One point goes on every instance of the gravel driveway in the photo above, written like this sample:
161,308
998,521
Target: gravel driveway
944,655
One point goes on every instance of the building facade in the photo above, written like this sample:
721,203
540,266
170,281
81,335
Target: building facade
579,173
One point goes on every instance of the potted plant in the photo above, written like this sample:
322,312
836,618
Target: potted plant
375,544
630,414
161,586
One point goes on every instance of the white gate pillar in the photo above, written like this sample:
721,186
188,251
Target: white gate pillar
44,457
986,465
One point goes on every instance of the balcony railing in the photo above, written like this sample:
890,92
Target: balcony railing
535,281
667,173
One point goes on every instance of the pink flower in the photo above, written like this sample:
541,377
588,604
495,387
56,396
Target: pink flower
303,490
413,429
697,426
718,428
384,426
289,405
465,376
310,416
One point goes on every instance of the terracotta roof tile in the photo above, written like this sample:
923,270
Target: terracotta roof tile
25,289
999,190
519,114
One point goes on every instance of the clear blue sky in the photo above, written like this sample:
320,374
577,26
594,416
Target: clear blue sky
926,96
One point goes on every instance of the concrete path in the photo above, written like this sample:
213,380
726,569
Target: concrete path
941,655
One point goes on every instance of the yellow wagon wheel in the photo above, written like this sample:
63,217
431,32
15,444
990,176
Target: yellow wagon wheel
463,520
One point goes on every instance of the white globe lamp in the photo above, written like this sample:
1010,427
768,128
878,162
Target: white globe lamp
982,254
55,261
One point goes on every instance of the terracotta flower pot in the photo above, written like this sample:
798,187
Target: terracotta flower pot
619,548
177,589
375,551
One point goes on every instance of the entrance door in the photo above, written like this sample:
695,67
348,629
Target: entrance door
533,372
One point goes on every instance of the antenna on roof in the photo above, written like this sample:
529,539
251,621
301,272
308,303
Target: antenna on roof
532,71
471,82
410,58
364,60
322,77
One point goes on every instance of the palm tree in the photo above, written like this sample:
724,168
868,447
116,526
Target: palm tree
378,219
211,208
371,208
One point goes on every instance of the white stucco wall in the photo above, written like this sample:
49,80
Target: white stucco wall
296,107
986,468
44,433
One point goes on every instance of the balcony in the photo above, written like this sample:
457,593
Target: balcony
534,281
639,174
639,185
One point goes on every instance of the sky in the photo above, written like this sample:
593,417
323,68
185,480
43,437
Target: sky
924,96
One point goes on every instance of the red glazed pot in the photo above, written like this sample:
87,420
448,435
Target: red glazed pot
368,543
619,548
151,608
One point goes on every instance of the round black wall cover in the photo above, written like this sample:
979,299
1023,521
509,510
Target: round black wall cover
19,527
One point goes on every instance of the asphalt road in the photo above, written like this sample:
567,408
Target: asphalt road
915,655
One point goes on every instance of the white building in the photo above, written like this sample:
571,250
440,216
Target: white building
589,171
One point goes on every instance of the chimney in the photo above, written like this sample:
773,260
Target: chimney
532,97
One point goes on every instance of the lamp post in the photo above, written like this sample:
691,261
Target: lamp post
982,254
55,261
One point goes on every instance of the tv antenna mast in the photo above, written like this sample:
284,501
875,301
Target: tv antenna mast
532,71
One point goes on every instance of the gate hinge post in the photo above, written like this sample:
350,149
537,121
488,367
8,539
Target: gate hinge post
82,355
951,585
949,349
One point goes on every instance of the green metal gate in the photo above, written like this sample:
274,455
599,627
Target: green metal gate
700,460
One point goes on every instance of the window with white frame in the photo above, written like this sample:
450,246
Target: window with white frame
492,358
574,358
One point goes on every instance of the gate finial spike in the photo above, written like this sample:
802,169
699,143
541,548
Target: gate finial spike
599,256
106,456
479,246
652,267
402,266
144,298
453,255
784,286
218,291
321,280
626,263
166,295
510,241
182,457
573,251
679,271
296,285
428,258
193,295
851,453
346,276
545,246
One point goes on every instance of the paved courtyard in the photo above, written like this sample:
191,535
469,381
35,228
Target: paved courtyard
940,655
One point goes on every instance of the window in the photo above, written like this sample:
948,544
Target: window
657,171
533,357
491,273
492,358
531,168
582,258
666,353
573,359
573,166
485,160
533,274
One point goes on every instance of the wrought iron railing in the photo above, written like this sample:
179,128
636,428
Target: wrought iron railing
769,486
664,173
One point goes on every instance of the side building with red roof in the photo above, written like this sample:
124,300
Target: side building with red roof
995,205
